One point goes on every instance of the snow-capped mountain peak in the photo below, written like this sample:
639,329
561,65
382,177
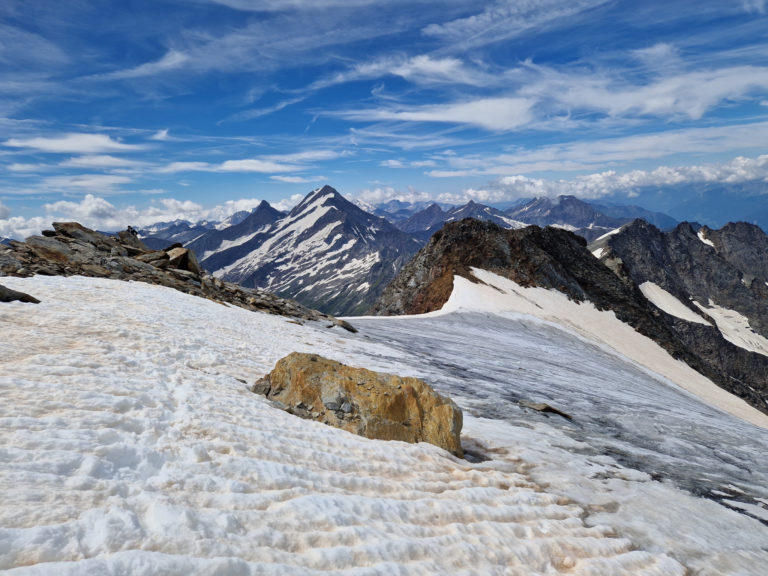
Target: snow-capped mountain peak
326,252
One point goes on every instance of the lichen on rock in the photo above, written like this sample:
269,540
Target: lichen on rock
367,403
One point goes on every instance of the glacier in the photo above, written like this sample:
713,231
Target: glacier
131,445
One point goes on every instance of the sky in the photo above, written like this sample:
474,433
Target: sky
143,111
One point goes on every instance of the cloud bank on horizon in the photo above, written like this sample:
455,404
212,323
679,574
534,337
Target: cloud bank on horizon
178,109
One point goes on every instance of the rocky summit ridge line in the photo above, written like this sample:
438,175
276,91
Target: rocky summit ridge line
557,259
72,249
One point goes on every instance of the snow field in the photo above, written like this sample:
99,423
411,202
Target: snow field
500,294
667,302
131,445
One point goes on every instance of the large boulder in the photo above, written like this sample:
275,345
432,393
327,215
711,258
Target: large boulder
370,404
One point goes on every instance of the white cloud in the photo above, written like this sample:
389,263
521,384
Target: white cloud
489,113
19,228
73,143
294,179
420,69
95,182
99,161
754,6
687,95
287,203
593,155
5,212
160,135
265,165
175,167
384,194
21,167
739,171
306,156
506,19
99,214
172,60
256,165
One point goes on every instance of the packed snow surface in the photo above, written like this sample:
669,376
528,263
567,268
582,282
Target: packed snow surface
667,302
735,328
130,445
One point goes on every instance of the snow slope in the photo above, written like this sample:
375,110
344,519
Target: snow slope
735,328
667,302
130,445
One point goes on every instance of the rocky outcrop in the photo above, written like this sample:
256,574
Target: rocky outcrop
8,295
556,259
370,404
72,249
727,266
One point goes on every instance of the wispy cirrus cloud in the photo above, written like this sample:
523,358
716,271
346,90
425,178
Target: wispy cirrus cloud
268,164
297,179
487,113
686,94
102,183
101,161
73,143
170,61
583,155
505,19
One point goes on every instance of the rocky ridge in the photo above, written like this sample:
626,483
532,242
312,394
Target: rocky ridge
728,267
557,259
71,249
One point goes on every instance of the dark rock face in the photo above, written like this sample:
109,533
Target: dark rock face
8,295
557,259
727,266
71,249
367,403
326,253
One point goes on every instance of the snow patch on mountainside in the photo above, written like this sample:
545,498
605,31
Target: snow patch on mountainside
667,302
226,244
700,235
500,294
735,328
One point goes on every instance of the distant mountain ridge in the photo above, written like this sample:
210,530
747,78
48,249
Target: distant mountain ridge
428,221
326,252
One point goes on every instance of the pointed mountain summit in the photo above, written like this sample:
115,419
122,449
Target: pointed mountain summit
326,253
217,240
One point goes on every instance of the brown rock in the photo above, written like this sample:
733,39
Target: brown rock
370,404
184,259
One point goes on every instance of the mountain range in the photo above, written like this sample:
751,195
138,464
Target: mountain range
333,255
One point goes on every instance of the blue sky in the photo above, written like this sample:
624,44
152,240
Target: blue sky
116,113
